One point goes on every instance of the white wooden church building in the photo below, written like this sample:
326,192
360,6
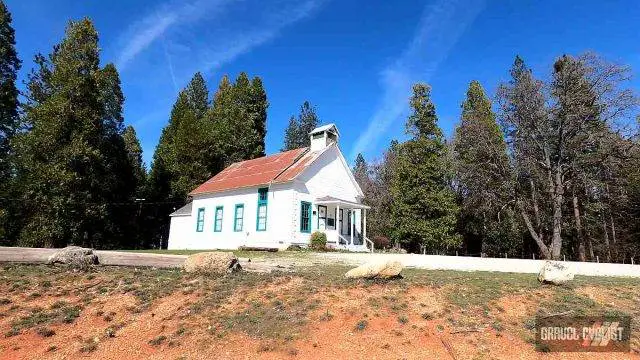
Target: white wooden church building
277,201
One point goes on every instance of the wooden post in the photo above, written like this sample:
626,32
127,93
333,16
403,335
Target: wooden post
534,256
564,257
505,255
364,225
338,223
456,252
597,259
353,225
632,261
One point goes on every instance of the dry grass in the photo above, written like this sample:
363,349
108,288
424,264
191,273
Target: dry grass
278,309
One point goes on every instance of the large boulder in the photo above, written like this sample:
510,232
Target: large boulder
382,269
74,256
213,262
556,272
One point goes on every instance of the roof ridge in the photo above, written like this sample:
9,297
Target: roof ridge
267,156
307,149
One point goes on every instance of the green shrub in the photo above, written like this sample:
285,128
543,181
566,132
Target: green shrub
318,241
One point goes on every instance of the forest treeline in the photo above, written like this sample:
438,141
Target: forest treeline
545,168
72,172
553,173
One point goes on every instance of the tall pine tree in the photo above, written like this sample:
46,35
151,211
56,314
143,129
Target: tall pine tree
9,121
258,108
134,154
484,178
239,119
72,158
297,132
182,146
424,211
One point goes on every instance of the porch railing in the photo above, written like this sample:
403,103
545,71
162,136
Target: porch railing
370,244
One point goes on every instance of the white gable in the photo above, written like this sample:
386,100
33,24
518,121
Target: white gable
330,175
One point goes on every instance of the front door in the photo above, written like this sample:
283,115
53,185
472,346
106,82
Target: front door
322,217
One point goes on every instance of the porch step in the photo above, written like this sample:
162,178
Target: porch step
258,248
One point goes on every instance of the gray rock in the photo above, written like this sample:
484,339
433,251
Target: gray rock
556,272
75,257
213,262
383,269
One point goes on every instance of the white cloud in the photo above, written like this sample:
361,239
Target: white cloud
266,30
153,26
441,25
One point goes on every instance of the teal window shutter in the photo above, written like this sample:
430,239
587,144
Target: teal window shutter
217,227
200,220
261,215
238,217
305,217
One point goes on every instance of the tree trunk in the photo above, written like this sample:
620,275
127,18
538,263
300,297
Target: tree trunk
613,238
558,192
536,210
582,256
537,237
590,243
606,240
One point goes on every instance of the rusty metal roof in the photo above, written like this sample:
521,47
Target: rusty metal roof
276,168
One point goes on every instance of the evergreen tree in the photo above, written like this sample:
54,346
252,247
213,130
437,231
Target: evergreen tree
424,211
134,154
9,121
308,121
379,197
71,158
297,133
258,107
484,178
182,143
361,173
197,95
234,114
291,135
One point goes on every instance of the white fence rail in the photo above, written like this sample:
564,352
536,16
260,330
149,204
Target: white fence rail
465,263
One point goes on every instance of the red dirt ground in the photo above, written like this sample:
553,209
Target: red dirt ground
383,338
398,320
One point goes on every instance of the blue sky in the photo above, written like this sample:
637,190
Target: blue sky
354,60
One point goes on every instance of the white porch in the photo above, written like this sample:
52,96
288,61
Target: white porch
344,223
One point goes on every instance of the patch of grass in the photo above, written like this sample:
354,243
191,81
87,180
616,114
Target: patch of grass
89,347
52,348
110,332
67,314
59,304
12,332
403,319
5,301
70,313
45,332
180,331
266,346
361,325
157,341
567,300
478,288
109,316
427,316
326,316
497,326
